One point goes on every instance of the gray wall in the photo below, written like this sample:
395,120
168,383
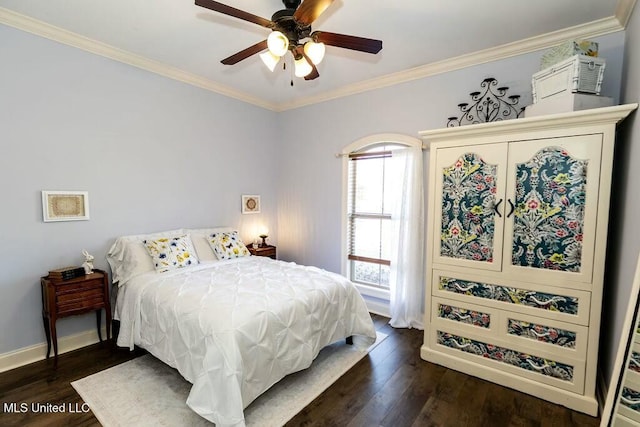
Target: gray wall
624,235
153,153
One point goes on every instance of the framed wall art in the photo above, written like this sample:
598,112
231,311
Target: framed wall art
250,204
65,206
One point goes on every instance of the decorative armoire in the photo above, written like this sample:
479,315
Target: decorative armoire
516,242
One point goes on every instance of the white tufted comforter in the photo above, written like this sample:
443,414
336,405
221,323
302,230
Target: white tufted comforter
234,328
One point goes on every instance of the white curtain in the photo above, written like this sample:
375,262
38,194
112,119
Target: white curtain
407,260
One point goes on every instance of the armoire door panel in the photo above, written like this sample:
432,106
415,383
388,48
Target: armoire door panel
552,185
469,216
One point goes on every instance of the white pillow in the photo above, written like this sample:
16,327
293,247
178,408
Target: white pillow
128,257
170,253
199,238
227,245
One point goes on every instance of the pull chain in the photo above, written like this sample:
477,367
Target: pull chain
291,73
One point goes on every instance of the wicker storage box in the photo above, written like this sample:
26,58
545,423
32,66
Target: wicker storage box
567,50
580,73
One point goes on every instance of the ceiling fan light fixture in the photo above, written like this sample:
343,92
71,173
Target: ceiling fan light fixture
289,27
270,60
277,43
302,67
315,51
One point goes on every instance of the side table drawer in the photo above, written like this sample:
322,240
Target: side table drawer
74,288
92,299
77,297
81,293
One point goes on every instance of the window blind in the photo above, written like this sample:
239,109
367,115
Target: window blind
369,219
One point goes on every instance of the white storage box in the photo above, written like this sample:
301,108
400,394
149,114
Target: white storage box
580,73
567,102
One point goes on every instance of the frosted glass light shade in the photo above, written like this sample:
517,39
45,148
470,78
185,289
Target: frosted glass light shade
315,51
277,43
270,60
303,68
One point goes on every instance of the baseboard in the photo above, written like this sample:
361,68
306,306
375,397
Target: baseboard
37,352
377,307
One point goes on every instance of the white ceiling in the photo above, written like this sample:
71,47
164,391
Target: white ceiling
181,40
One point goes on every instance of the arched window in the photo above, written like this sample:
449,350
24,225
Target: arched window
371,187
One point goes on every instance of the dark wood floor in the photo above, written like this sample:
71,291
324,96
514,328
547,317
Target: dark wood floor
390,387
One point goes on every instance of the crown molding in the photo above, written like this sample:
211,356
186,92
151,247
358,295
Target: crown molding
532,44
592,29
623,11
51,32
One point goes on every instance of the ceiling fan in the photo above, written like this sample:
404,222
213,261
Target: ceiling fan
291,32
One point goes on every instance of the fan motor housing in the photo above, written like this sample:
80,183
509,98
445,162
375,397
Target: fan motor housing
287,25
291,4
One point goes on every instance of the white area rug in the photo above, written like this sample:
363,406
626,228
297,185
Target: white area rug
146,392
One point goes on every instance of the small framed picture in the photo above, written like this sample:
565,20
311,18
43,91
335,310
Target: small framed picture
65,206
250,204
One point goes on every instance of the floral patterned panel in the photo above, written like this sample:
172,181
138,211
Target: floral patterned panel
462,315
556,336
549,214
634,361
468,198
630,398
543,301
511,357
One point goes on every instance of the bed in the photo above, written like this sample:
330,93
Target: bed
231,325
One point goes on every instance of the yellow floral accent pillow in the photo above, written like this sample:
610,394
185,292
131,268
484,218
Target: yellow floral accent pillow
227,245
170,253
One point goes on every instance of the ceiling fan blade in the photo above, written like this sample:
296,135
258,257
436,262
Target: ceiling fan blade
310,10
244,54
348,42
236,13
314,74
299,51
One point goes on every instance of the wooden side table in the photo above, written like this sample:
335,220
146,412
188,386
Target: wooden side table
268,251
72,297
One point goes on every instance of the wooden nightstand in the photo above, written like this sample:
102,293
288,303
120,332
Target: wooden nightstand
72,297
268,251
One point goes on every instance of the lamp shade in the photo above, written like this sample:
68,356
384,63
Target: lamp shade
277,43
315,51
303,68
269,59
